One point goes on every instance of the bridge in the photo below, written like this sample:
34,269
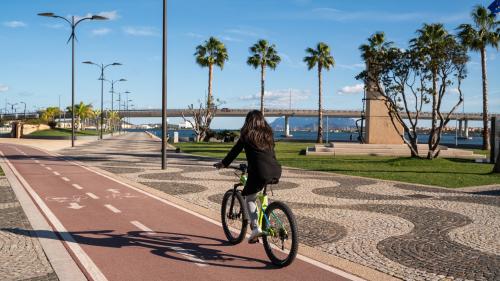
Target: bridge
242,112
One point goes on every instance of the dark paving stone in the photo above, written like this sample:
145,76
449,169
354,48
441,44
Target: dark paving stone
121,170
411,187
6,195
216,198
49,277
174,188
477,199
419,196
428,247
314,232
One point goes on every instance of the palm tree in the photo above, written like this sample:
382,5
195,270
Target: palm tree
82,111
263,55
430,40
484,33
322,57
212,52
375,44
113,118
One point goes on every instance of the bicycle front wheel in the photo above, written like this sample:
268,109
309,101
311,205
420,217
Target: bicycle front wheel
234,216
281,241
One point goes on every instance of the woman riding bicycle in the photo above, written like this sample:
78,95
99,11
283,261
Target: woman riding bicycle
256,137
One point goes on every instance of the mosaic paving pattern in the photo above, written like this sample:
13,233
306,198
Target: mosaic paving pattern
408,231
21,255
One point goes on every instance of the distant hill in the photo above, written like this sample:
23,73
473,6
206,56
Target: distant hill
311,123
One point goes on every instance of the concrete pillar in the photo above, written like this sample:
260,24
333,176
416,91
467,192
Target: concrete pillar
460,128
379,127
466,128
287,126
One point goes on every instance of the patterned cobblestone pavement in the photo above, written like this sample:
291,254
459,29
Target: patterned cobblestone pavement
408,231
21,255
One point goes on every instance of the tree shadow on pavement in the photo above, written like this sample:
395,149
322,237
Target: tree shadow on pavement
177,246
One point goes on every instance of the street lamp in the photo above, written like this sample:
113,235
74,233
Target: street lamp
120,106
102,67
72,37
164,91
113,82
12,107
24,115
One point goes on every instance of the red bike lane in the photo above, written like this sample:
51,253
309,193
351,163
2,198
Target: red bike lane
117,232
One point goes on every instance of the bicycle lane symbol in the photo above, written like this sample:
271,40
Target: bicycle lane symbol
72,201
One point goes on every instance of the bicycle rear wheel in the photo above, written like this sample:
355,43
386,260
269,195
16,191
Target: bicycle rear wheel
281,242
234,221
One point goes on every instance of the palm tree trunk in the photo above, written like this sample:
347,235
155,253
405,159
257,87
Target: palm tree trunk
210,76
320,108
262,87
486,134
432,135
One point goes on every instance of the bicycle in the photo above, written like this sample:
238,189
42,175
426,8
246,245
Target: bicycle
276,221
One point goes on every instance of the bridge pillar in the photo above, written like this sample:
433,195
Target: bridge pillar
287,126
466,128
460,128
379,127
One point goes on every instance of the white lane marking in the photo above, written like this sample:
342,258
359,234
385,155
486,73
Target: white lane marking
77,186
48,168
84,259
112,208
187,253
184,252
65,179
37,161
113,190
75,206
299,256
56,173
141,226
43,165
92,195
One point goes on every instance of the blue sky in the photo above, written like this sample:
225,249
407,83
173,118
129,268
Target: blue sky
35,60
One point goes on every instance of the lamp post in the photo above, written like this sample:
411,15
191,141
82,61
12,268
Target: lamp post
72,37
164,92
120,106
113,82
102,67
12,106
24,114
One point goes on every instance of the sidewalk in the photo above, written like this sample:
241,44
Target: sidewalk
402,230
21,255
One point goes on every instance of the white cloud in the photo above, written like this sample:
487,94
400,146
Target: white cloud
230,39
279,98
356,89
453,91
242,32
3,88
111,15
141,31
14,24
194,35
354,66
101,31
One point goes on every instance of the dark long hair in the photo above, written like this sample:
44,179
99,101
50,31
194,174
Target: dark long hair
257,132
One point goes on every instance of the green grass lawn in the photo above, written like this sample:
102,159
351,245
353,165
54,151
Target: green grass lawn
440,172
58,132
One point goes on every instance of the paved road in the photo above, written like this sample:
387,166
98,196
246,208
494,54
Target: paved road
408,231
117,232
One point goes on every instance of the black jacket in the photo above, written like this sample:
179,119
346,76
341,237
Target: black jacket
263,167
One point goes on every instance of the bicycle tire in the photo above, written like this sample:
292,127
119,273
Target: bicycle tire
241,215
271,253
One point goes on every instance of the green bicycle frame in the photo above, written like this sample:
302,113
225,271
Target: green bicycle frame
264,202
